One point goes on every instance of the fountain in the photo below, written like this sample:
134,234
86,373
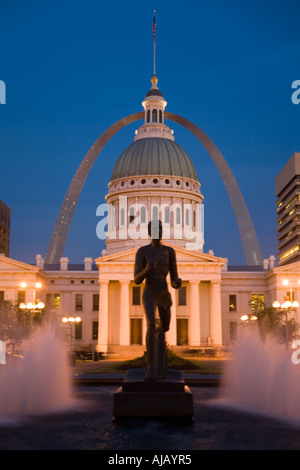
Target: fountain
40,382
261,378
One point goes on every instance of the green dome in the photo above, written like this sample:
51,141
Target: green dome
154,156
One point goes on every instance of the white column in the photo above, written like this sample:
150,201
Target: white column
215,313
124,314
171,336
102,345
195,314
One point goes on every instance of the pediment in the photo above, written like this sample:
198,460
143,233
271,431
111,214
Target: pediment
9,264
288,268
119,257
182,255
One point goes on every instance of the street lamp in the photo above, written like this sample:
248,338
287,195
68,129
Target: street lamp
288,307
250,317
36,304
286,283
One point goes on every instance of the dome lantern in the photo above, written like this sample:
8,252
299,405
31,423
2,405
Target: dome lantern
154,105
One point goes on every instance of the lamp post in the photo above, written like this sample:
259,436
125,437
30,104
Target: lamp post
36,305
71,321
288,307
248,317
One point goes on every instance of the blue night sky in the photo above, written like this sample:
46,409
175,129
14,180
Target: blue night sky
73,68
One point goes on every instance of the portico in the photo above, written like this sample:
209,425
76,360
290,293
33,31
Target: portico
195,313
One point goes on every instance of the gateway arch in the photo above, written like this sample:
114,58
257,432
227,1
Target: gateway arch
245,225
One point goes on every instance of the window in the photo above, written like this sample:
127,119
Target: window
136,328
49,300
167,215
232,303
56,300
21,297
122,216
143,215
1,296
160,115
155,213
182,331
233,330
95,302
187,217
182,295
95,330
148,115
78,302
257,302
154,115
136,295
78,330
131,214
178,215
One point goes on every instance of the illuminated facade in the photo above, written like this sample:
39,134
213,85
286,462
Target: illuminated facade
155,178
206,311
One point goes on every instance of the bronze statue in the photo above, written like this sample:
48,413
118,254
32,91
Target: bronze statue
153,262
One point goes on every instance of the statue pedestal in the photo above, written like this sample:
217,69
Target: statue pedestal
168,397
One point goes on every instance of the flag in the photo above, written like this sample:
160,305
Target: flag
154,26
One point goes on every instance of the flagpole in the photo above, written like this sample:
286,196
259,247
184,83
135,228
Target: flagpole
154,58
154,42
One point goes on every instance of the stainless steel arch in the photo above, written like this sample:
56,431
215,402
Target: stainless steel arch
63,222
62,226
245,225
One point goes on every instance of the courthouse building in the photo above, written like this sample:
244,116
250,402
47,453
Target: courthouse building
153,178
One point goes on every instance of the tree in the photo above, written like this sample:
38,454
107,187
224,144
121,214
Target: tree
15,324
272,321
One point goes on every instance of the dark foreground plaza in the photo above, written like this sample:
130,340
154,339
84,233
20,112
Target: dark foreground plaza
88,425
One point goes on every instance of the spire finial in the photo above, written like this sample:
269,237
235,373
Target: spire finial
154,40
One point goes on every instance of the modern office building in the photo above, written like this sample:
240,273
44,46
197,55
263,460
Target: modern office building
288,211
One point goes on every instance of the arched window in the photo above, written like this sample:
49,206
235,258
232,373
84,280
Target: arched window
143,215
187,217
155,213
154,115
178,215
160,115
148,115
167,215
122,217
131,214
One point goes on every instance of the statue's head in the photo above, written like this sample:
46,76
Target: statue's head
155,229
